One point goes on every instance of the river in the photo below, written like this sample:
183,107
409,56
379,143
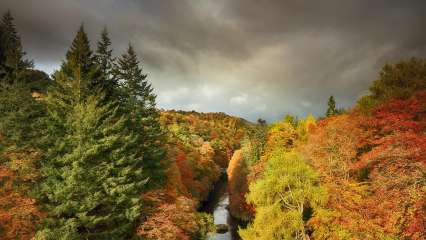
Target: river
217,204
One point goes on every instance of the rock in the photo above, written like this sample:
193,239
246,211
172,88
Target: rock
222,228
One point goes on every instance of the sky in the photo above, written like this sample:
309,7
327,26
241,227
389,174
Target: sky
249,58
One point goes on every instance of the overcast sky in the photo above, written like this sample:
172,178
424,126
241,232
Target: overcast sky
250,58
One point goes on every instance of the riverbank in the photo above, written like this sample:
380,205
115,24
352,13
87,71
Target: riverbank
217,204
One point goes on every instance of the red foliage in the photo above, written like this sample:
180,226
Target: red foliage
176,220
373,167
18,213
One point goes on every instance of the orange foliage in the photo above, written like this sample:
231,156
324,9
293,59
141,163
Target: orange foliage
175,220
18,213
237,183
373,167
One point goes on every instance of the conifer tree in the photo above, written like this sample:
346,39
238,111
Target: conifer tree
20,115
105,62
331,110
92,170
2,47
80,63
139,100
12,57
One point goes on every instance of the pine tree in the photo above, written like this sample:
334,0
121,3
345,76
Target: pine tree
331,110
92,170
139,100
80,64
105,62
20,115
12,59
2,48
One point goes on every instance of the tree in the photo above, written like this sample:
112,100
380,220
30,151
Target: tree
138,100
400,80
331,110
20,115
237,186
285,198
105,62
261,122
12,56
2,47
92,169
290,119
80,65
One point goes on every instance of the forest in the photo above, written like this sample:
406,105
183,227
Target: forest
85,153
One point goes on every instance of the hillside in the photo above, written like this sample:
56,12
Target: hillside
353,175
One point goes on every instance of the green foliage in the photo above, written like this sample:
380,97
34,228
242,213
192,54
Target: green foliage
92,171
331,110
303,127
288,189
12,60
290,119
366,103
80,65
206,226
138,101
19,115
253,144
105,62
399,80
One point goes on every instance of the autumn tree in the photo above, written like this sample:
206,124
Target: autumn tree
285,198
237,186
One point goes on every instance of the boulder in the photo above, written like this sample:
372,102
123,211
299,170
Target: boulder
222,228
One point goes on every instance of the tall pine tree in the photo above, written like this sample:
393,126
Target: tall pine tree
80,64
12,57
92,170
138,100
19,111
105,62
2,47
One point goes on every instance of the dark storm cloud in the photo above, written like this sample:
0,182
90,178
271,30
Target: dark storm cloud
245,57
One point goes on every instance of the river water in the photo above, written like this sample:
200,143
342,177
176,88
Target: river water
217,204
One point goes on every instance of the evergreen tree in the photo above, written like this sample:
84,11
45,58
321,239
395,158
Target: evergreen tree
20,115
138,100
2,48
12,55
80,64
331,110
92,170
105,62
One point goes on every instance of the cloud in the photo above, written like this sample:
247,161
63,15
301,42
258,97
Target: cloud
239,100
245,57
